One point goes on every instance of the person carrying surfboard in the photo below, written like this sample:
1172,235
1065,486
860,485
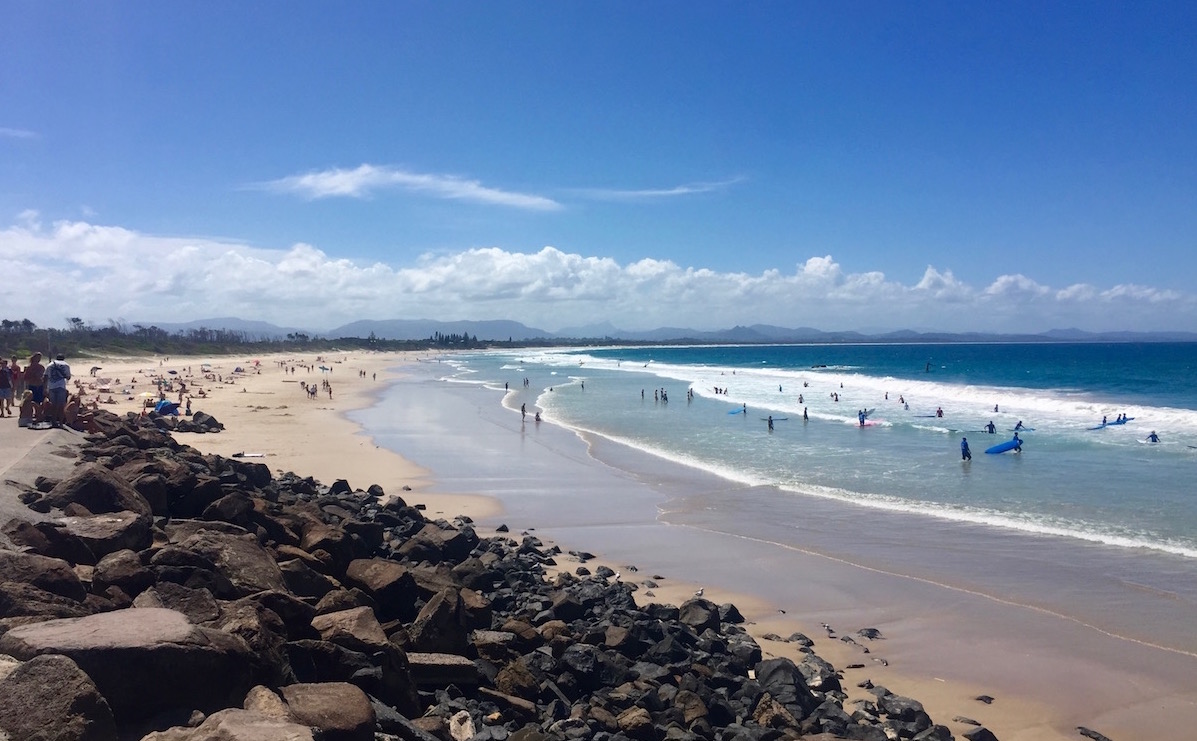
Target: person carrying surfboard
965,453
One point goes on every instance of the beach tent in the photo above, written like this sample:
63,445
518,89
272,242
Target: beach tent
167,407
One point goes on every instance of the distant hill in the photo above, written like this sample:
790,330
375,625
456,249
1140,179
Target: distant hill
498,330
252,329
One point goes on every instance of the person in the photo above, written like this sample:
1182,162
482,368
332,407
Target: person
18,378
28,411
939,411
1103,420
58,374
744,409
1017,443
770,423
804,417
995,408
860,417
537,418
1018,427
1153,438
965,453
991,428
6,385
35,378
523,411
800,401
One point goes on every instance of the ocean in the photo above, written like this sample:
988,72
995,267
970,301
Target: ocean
1103,485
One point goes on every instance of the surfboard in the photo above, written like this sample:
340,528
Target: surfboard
1002,447
737,411
1100,427
775,419
1022,429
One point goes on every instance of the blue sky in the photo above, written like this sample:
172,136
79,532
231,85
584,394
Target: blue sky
960,166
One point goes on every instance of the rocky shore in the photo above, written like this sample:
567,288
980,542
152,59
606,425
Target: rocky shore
161,594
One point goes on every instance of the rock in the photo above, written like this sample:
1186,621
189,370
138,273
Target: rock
700,614
979,734
390,584
782,680
356,629
442,625
49,698
18,600
100,491
438,670
50,574
236,724
637,723
1090,733
197,604
110,532
461,726
121,569
144,660
48,539
247,565
304,581
340,710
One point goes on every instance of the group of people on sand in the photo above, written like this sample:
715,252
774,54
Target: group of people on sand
40,392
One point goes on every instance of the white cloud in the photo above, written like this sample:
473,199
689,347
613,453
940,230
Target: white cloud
365,179
6,133
649,194
75,268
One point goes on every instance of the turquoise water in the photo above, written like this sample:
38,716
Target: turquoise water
1104,485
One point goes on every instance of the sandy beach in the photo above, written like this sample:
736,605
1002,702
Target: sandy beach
942,646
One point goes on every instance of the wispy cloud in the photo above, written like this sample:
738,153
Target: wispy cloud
651,194
364,180
110,271
17,133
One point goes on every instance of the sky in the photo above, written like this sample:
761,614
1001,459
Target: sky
1008,167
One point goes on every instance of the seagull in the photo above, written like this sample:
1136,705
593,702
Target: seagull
698,593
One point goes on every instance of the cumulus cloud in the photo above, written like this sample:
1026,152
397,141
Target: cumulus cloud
100,272
365,179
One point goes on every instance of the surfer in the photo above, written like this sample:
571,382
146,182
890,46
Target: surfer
939,411
1017,443
744,408
800,401
804,417
965,453
860,417
1018,427
770,423
995,408
1103,420
990,428
1153,438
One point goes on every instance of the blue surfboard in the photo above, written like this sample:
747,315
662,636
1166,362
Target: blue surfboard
1003,447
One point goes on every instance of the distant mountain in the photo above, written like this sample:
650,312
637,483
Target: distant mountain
499,330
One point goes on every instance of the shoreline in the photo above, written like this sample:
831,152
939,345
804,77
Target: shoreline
324,445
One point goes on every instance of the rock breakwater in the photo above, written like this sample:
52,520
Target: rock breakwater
161,594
